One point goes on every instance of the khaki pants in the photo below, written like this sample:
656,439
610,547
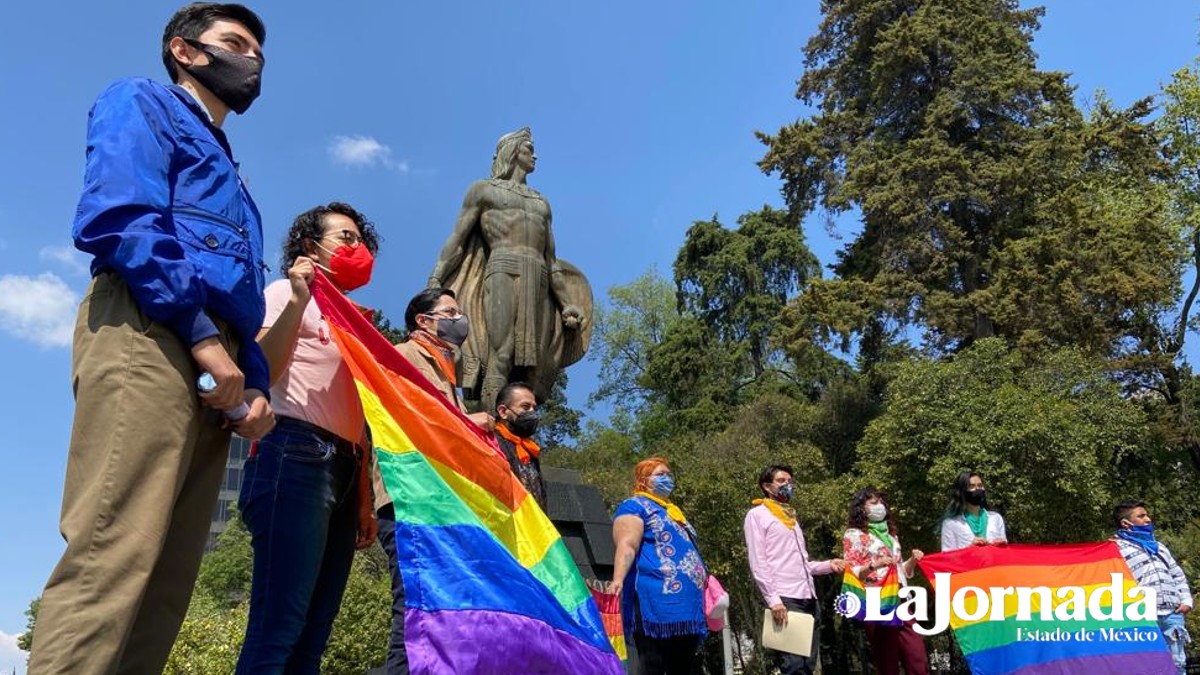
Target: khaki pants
145,465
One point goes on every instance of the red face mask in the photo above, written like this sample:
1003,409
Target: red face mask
351,266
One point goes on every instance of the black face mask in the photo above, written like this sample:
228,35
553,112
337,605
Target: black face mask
453,330
976,497
236,79
524,424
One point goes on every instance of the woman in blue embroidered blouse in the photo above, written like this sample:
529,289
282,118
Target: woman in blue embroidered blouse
659,574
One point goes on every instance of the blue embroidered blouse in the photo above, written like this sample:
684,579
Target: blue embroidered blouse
664,589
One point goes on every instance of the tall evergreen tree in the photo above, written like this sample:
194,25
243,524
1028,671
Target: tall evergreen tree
989,204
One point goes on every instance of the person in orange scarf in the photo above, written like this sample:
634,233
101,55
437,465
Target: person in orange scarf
436,328
516,423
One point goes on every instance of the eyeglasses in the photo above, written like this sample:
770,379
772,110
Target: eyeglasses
348,237
447,312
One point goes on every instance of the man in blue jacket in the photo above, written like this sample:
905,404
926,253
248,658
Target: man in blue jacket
177,290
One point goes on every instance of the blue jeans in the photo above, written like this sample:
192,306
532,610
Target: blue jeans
299,503
1175,633
397,659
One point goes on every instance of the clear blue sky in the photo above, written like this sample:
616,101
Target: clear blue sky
642,116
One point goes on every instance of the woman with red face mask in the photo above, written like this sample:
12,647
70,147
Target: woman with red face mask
306,491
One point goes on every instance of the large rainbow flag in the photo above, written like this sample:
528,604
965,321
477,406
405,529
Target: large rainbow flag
1095,646
489,584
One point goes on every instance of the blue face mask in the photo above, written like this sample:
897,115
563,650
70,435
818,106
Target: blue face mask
784,494
662,486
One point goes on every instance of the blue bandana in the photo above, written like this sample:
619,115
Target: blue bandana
1142,535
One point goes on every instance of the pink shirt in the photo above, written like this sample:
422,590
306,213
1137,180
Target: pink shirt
779,558
316,386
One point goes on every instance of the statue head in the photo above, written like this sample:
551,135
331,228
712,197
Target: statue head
507,149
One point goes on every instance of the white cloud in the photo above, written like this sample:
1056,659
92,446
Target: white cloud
364,151
66,256
11,656
38,309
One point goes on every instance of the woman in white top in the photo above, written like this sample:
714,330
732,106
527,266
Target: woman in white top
967,521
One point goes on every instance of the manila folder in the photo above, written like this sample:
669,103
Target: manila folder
794,638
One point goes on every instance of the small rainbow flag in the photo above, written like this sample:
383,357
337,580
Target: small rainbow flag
489,585
852,603
610,611
1037,646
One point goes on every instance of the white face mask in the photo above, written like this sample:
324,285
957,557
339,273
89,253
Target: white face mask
876,513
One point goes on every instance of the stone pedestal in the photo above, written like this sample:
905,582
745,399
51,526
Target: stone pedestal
583,521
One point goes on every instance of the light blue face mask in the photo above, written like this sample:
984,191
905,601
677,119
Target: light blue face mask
662,486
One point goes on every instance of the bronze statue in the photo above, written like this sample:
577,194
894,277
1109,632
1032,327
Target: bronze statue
530,311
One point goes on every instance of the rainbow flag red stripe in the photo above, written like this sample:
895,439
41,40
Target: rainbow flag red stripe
1095,646
489,585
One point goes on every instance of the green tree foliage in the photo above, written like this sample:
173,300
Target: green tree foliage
1048,433
695,376
637,318
989,205
731,286
211,636
605,456
363,625
559,423
210,639
737,281
25,640
226,570
1184,543
1180,126
383,325
1164,329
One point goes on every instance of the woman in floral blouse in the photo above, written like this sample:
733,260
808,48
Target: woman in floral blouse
872,553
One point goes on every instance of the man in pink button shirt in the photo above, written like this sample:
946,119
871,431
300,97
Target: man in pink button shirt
779,559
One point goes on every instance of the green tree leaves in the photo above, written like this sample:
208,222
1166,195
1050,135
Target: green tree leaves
1048,433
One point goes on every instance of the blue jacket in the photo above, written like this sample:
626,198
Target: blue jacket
163,207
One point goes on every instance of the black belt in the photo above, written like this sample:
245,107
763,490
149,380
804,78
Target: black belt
343,446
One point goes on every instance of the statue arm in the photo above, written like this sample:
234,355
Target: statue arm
558,287
454,248
572,315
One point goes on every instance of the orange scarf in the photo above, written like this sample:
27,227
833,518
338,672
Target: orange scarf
526,448
673,511
784,512
439,351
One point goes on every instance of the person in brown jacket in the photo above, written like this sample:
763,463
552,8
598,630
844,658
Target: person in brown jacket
436,329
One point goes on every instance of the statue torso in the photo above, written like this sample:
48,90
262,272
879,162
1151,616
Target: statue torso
514,218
